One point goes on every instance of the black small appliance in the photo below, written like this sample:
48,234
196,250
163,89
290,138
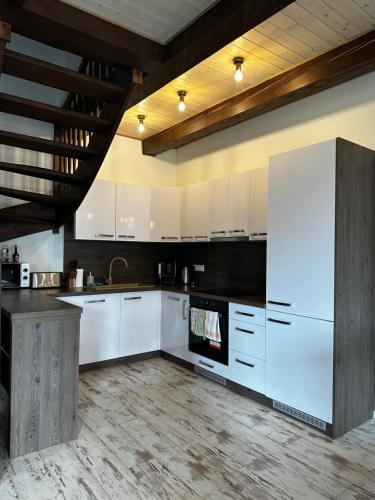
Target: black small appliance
167,271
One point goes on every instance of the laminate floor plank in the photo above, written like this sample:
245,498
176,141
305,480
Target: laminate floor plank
154,430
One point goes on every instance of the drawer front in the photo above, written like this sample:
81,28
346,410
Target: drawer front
209,365
248,314
247,371
247,338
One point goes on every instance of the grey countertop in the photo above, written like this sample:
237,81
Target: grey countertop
21,303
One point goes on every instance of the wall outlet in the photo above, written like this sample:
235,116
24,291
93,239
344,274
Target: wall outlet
199,268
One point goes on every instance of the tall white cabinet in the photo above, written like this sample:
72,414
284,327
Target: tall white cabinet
132,212
258,203
165,223
196,212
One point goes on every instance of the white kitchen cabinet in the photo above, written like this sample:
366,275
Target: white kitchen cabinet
140,322
195,212
95,219
165,223
219,207
132,212
247,338
209,365
239,205
247,371
258,203
100,326
301,232
174,335
299,355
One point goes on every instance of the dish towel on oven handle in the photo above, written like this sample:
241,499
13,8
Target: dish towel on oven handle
197,321
212,326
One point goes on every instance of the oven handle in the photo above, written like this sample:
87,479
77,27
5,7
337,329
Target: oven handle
191,307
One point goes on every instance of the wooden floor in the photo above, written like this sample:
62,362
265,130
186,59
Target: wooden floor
154,430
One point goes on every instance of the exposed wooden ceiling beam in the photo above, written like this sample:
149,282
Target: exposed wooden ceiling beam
68,28
226,21
339,65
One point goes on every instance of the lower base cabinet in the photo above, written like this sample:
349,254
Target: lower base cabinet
247,371
299,354
209,365
140,319
174,337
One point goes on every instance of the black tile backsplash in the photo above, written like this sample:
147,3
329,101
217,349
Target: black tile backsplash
240,264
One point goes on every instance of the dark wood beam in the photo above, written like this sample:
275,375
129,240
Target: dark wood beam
46,145
42,173
68,28
339,65
51,114
5,35
222,24
52,75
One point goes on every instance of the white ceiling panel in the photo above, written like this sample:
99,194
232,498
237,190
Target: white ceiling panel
159,20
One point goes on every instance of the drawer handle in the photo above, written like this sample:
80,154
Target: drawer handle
103,235
218,232
170,238
174,298
94,301
205,364
203,237
236,230
250,365
276,303
258,234
244,331
279,321
246,314
187,237
126,236
132,298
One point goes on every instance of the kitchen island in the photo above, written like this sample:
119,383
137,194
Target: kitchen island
39,369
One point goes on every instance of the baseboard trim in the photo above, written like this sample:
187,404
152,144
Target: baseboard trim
88,367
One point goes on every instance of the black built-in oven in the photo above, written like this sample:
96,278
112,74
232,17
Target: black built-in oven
217,351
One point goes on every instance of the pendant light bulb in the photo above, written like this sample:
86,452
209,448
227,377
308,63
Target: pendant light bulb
141,127
181,104
238,62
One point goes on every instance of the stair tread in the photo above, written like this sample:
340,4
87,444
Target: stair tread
42,173
43,199
52,114
46,145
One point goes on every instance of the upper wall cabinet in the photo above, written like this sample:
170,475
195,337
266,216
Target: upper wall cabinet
133,212
230,206
165,223
196,212
258,203
95,218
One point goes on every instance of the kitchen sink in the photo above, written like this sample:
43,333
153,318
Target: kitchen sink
117,286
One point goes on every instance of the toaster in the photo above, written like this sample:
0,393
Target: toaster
46,280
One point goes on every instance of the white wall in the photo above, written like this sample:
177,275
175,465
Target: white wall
126,163
347,111
43,251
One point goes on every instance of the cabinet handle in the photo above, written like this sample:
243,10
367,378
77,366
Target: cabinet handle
244,331
132,298
245,314
187,237
126,236
279,321
103,235
201,237
170,238
94,301
218,232
258,234
170,297
250,365
276,303
236,230
205,364
184,315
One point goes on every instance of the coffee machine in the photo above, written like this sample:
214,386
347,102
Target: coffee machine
167,271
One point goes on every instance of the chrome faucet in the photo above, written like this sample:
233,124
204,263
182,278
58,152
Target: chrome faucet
109,279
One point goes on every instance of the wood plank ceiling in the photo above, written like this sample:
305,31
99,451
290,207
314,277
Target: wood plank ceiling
300,32
158,20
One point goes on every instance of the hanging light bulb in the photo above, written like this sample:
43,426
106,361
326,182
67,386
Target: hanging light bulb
141,127
181,104
238,74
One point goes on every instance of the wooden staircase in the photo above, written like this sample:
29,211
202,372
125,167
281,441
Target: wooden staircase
84,127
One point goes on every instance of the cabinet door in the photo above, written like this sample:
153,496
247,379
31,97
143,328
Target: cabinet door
174,336
258,203
299,353
219,207
100,326
132,212
195,212
165,224
140,320
239,205
301,232
95,219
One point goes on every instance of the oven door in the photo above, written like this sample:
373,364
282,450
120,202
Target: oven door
217,351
